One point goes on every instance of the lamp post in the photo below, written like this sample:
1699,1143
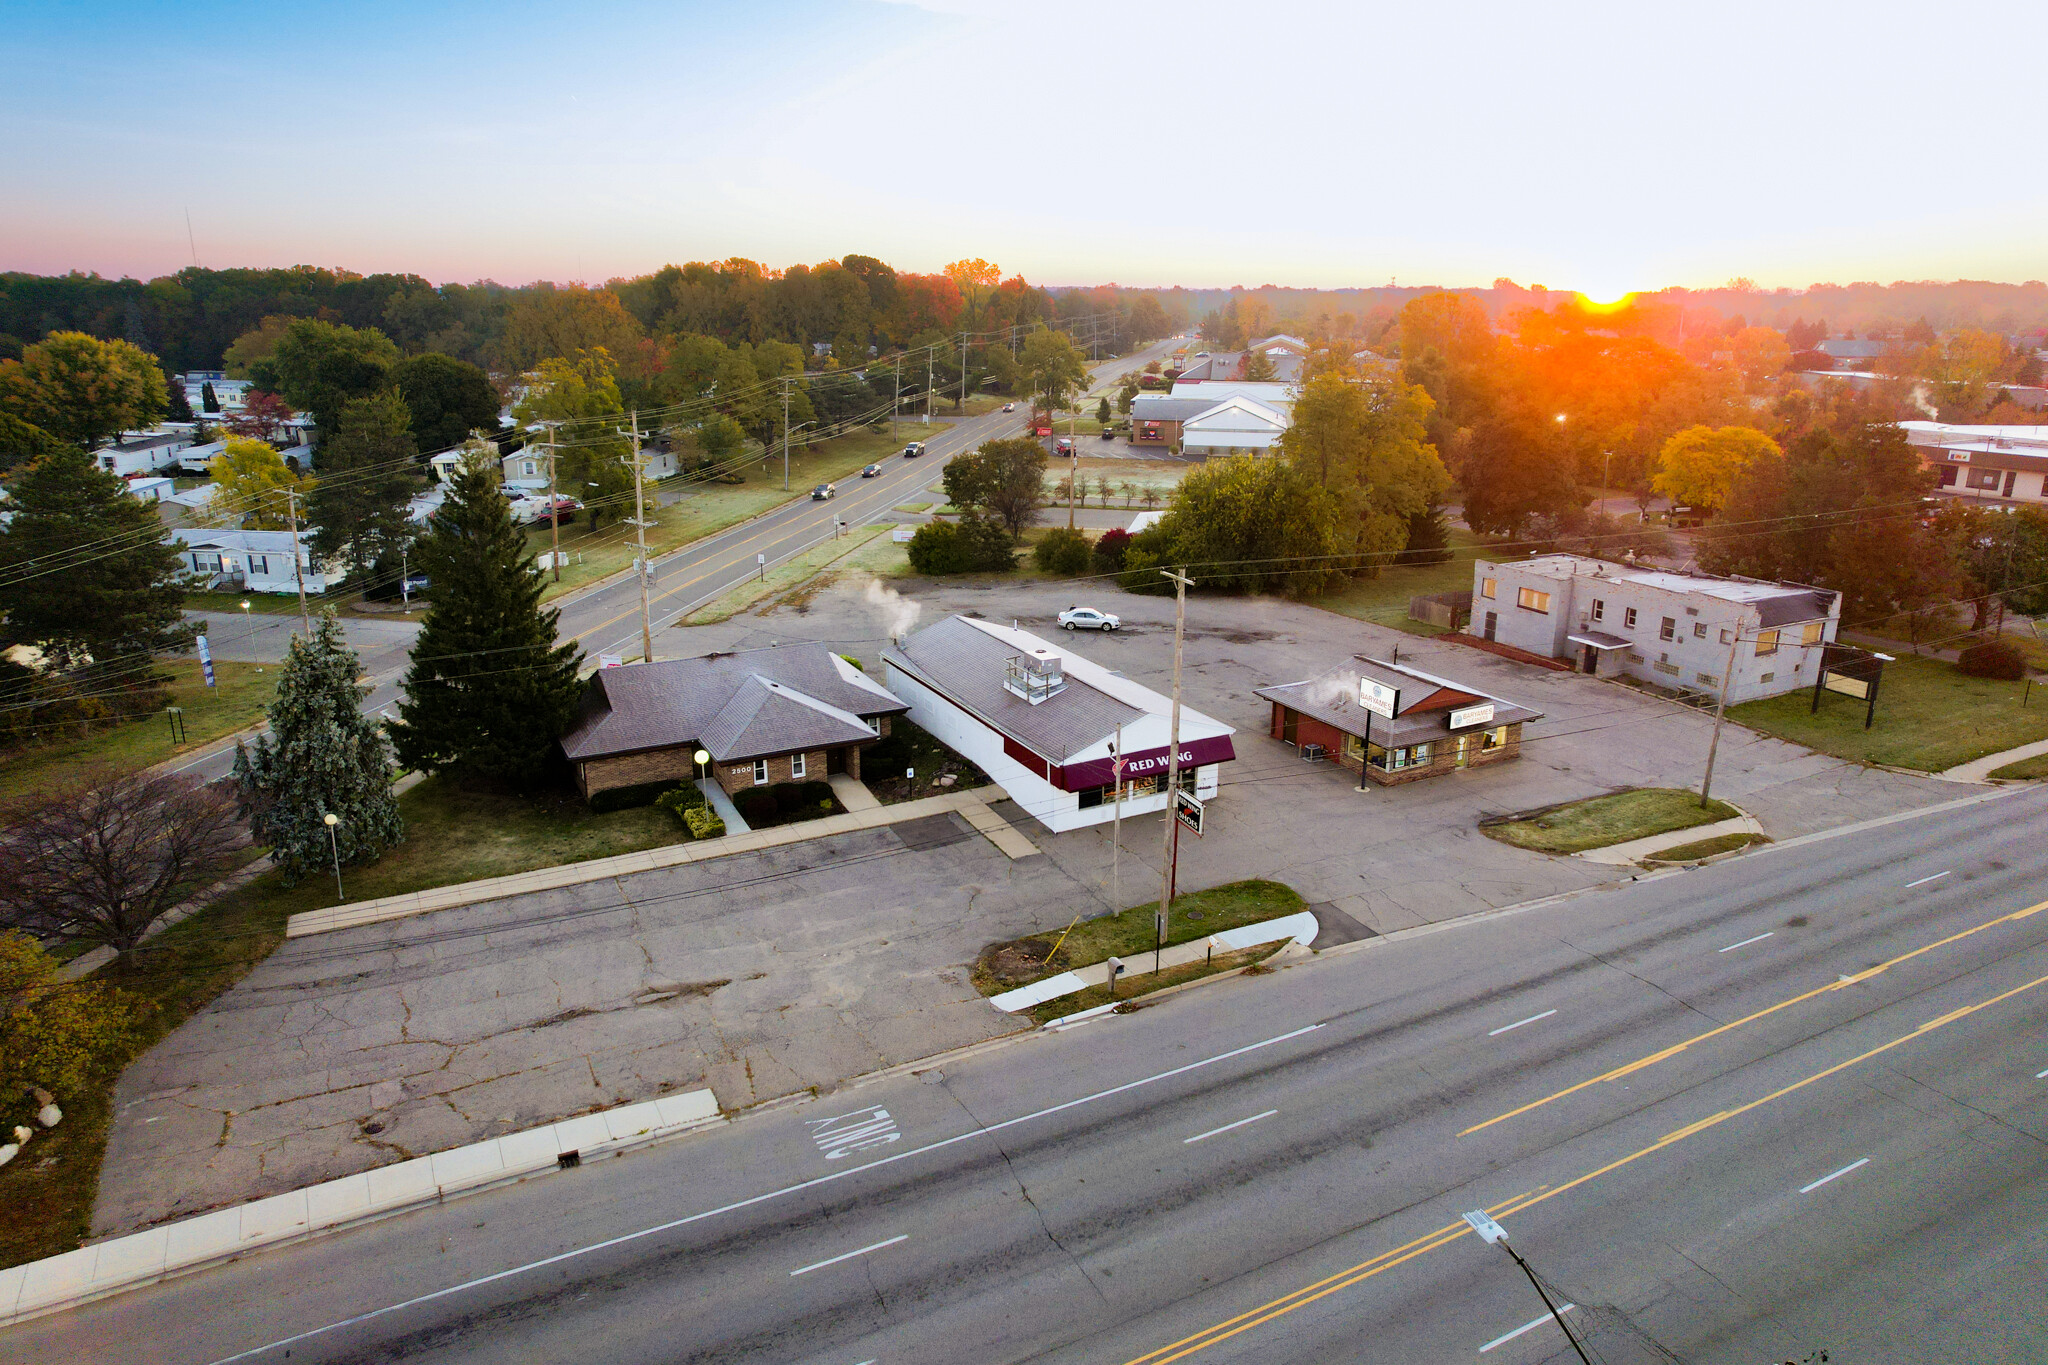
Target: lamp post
334,844
702,757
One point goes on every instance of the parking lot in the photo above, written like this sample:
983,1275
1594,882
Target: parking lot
767,974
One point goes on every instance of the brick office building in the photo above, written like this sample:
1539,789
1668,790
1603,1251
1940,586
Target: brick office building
1439,725
789,713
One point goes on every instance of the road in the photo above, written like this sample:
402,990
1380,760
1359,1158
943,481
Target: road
605,619
1792,1102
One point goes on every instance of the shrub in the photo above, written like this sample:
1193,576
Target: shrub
972,545
1993,659
858,666
757,806
629,798
679,802
1110,549
703,822
1062,552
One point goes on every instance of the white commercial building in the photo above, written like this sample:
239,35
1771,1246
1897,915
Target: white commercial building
1675,630
1046,723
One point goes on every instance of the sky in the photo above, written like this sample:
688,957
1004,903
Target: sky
1594,146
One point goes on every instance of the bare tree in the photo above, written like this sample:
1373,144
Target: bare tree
102,858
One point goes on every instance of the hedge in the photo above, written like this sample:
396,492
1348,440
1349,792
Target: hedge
1993,659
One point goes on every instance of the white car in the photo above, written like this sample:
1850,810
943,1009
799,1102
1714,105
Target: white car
1087,618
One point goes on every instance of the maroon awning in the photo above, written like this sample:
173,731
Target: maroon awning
1194,753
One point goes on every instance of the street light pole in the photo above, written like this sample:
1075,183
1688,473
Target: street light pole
1493,1234
1169,844
640,532
331,820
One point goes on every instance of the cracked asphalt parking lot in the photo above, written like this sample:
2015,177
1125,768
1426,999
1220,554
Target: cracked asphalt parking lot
764,974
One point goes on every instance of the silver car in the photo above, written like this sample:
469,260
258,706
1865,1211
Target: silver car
1088,618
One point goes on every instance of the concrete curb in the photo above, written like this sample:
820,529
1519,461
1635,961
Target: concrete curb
624,864
118,1264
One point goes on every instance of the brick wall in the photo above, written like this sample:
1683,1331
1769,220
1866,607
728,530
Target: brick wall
630,770
739,777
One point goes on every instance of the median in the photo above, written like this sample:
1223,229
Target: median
1603,821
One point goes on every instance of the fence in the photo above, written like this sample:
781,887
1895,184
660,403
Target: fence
1447,609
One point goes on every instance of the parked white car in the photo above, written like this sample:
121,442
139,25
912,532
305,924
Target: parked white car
1088,618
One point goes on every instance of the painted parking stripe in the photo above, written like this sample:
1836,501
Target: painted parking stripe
1529,1326
1519,1022
849,1255
1924,880
1809,1189
1746,942
1228,1126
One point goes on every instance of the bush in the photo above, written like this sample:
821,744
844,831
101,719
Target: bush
973,545
629,798
1110,548
1993,659
679,802
757,807
703,822
1062,552
858,666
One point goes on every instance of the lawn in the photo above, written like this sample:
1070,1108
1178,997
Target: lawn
707,508
1384,600
1929,718
238,700
2026,770
260,603
793,577
1600,821
1706,848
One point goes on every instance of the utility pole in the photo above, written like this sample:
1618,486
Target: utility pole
554,514
1170,848
1073,460
896,404
1495,1235
785,435
1116,775
640,533
963,373
1721,705
291,499
928,385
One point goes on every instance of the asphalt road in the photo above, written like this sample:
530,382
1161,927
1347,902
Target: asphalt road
605,619
1792,1102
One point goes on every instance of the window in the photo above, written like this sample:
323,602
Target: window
1984,478
1669,630
1766,643
1692,611
530,468
1727,636
760,772
1528,599
1628,618
1486,587
1948,477
1494,738
796,765
1699,630
1599,609
259,564
1767,677
1810,633
1707,679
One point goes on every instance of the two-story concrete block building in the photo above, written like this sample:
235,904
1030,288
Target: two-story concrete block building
1675,630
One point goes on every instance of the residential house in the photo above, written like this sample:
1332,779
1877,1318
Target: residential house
145,452
1048,725
252,561
2003,465
787,713
230,394
1676,630
1438,725
1851,354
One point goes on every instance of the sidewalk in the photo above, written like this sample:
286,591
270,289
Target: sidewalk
1621,855
1980,769
727,811
1300,927
972,805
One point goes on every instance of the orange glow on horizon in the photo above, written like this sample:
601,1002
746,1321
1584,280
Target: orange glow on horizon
1606,301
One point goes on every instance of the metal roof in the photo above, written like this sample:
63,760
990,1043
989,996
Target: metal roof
965,661
1332,697
744,705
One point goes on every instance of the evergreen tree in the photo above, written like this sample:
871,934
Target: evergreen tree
85,574
207,398
322,757
361,503
489,690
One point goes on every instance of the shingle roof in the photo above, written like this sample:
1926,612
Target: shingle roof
1332,697
744,705
967,662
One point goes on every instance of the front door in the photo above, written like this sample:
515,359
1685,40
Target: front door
1492,621
1464,750
1589,660
1290,726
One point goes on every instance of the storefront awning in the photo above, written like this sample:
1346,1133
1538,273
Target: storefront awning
1599,639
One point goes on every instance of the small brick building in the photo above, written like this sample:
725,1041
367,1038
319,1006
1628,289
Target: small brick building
1439,725
789,713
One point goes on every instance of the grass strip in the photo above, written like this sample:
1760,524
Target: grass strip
2026,770
784,576
1706,848
1602,821
1135,987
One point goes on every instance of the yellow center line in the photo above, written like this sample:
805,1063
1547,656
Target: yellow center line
1630,1068
1365,1270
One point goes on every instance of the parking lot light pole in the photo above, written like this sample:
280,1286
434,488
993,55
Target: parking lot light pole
331,820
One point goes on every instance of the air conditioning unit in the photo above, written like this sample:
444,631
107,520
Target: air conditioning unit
1313,753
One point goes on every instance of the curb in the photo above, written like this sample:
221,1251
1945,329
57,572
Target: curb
113,1266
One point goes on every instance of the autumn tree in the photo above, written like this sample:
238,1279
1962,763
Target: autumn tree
98,858
56,1035
1761,355
560,322
22,442
1003,479
1058,369
1366,443
256,487
258,343
263,416
1700,466
1244,526
581,396
81,389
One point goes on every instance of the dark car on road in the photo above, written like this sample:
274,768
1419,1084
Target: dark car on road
913,450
